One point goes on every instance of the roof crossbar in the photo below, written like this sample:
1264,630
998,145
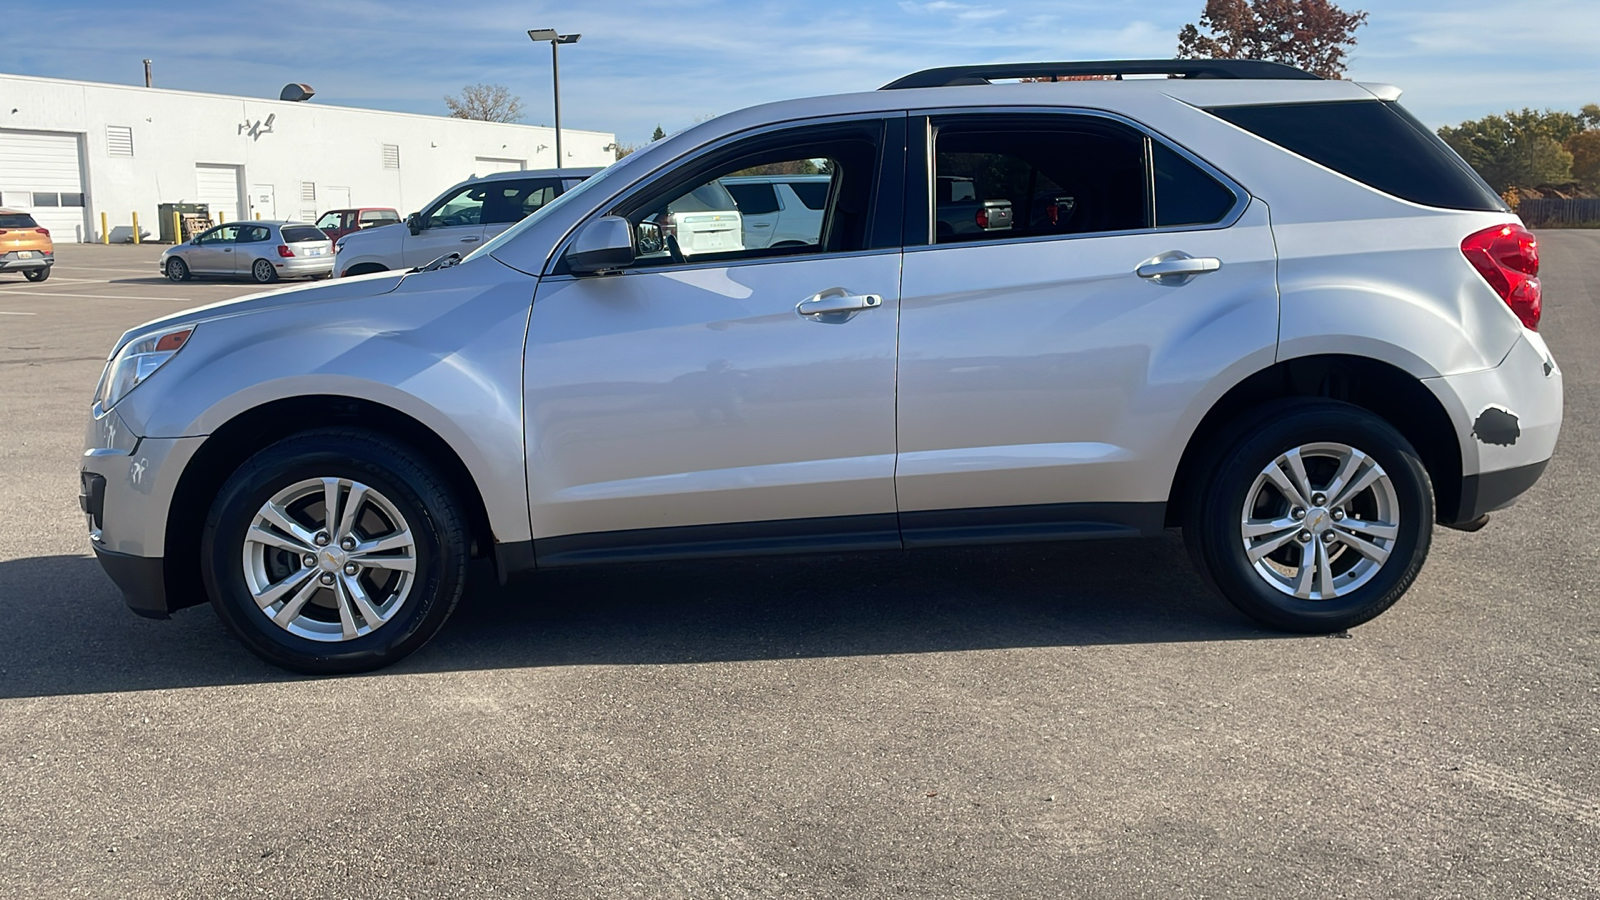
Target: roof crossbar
946,76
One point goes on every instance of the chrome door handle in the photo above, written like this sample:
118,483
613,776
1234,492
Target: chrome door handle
836,302
1178,265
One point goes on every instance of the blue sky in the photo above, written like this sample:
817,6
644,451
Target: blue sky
646,62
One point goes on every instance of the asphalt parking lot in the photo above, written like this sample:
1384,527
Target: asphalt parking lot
1078,720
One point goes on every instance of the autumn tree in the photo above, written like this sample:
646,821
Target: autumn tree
1526,148
1313,35
486,103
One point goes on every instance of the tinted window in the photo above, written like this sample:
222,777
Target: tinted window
1185,194
754,199
379,217
300,234
17,220
1377,143
814,194
511,201
1005,178
251,234
706,197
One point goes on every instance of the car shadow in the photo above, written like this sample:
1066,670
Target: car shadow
68,632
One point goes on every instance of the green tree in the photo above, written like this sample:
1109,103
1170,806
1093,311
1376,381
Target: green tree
659,134
1519,148
1314,35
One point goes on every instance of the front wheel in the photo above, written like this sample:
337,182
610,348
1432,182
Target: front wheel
177,270
263,272
334,551
1315,519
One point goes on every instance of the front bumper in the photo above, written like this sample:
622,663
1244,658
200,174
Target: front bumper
142,580
11,262
128,483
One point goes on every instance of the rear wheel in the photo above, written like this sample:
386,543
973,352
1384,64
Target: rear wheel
263,271
177,270
334,551
1315,519
39,274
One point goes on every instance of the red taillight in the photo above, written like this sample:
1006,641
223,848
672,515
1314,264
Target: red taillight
982,218
1507,256
1053,212
284,251
43,231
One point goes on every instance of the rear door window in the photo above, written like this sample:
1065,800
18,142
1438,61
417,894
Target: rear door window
512,201
754,198
253,234
1008,177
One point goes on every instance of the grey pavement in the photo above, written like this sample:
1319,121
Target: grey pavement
1076,720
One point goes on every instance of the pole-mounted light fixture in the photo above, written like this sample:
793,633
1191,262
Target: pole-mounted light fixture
556,40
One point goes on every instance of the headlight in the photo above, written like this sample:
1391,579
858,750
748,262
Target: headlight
137,360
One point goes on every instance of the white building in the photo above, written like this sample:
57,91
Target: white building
71,150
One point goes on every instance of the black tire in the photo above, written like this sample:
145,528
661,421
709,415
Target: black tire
262,271
365,269
39,274
414,489
177,270
1212,524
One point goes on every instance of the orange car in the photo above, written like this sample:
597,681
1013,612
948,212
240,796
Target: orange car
24,246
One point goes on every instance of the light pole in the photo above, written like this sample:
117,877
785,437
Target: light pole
556,40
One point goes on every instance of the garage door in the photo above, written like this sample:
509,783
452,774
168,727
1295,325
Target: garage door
218,187
41,173
488,165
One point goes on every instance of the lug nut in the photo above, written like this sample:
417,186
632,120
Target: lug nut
348,543
1319,499
1297,513
326,578
1303,537
1338,515
1328,537
308,560
322,539
351,568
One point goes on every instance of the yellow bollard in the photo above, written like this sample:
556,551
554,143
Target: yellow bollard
136,228
177,228
105,230
258,217
220,217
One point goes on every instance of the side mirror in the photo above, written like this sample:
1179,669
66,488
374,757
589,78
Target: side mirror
651,240
414,222
604,245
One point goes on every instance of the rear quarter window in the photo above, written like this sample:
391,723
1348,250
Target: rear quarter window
1375,142
814,194
302,234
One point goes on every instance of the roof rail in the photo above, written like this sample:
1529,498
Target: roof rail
1183,68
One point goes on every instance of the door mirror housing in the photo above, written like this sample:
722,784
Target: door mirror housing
414,222
604,245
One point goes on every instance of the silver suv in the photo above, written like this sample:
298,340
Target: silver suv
1271,310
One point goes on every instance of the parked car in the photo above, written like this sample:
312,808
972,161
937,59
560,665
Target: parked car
779,210
24,246
959,212
1305,395
336,223
262,251
703,220
457,221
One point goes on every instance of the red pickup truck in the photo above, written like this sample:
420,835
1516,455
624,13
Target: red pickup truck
336,223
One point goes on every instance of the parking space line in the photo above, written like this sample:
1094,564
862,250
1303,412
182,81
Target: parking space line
194,300
4,312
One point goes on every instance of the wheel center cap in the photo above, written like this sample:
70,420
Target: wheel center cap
330,559
1318,520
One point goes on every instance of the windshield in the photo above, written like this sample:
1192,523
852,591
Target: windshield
589,184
